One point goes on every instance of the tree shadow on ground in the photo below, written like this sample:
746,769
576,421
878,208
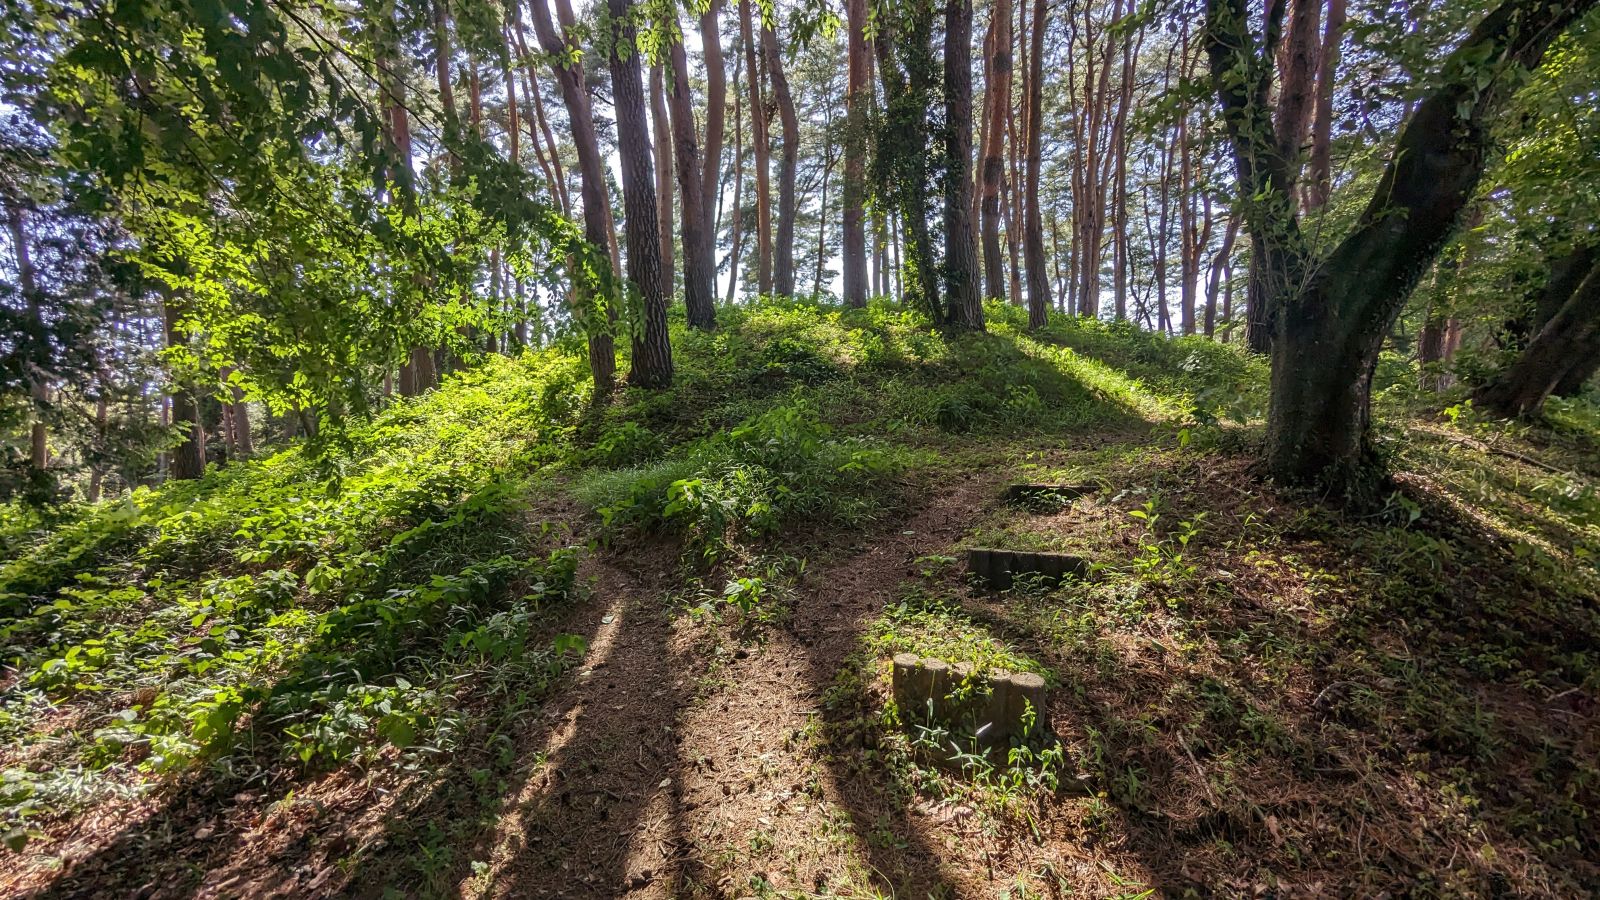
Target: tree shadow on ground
1331,705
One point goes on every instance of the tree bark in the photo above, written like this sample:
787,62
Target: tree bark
662,129
760,149
856,99
189,457
961,278
736,226
1033,219
1331,313
997,99
1218,265
591,169
699,272
716,106
1319,182
38,390
788,163
652,349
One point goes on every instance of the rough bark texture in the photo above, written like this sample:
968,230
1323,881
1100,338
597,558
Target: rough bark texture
699,274
1033,219
961,283
788,162
652,349
761,150
38,391
591,169
716,104
1331,313
856,98
1570,340
662,129
997,98
1319,177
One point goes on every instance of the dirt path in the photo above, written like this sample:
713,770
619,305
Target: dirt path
666,775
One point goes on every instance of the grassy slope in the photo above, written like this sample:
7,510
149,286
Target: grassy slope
1286,698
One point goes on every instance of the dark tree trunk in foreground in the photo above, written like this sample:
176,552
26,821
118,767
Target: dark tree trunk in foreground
652,350
596,210
699,276
997,100
856,99
1566,348
963,292
1032,218
1331,313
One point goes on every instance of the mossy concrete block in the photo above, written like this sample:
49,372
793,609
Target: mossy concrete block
995,705
999,569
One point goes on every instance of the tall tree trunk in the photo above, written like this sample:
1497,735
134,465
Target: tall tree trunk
699,272
591,169
441,68
997,99
1033,219
760,150
736,226
716,108
38,389
1331,312
1319,182
662,129
961,278
904,147
788,162
652,349
857,97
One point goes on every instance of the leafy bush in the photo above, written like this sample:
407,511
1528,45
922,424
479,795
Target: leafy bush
779,468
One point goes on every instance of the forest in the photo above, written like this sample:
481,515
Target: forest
893,448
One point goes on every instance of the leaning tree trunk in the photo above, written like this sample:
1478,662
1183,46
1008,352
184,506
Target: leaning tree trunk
1567,346
1331,313
652,349
856,99
997,100
961,284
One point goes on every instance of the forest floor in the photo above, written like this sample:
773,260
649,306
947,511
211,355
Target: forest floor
1250,694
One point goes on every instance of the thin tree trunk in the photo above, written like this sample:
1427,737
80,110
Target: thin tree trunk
189,457
716,107
699,273
788,162
736,227
760,150
38,390
1319,181
996,102
662,129
856,99
1218,264
1033,222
